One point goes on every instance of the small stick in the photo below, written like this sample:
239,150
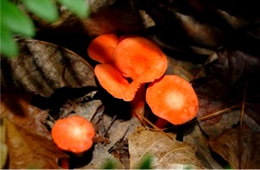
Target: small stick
242,112
215,113
110,125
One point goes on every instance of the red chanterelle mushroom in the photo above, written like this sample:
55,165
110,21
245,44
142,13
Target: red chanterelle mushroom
73,134
173,99
134,58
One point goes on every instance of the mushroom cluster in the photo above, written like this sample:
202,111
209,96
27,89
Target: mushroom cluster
128,62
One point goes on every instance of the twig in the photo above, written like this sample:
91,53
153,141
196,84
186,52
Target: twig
200,119
110,125
242,112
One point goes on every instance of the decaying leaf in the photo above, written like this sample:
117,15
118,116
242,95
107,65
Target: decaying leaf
28,150
43,67
218,125
115,131
224,87
85,106
240,148
197,138
184,69
167,153
17,108
113,19
201,33
3,146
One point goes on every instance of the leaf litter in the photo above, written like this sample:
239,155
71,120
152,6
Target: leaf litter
219,57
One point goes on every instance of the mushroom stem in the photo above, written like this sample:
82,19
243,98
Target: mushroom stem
138,103
161,123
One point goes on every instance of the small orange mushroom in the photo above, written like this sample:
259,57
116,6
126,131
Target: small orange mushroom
73,134
173,99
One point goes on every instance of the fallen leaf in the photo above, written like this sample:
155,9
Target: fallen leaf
239,153
113,19
232,66
29,150
3,147
17,108
234,21
118,132
184,69
43,67
216,126
202,33
167,153
197,138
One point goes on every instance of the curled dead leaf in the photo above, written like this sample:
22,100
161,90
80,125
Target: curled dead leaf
43,67
17,108
197,138
29,150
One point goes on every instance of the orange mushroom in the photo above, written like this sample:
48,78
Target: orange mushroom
173,99
134,57
102,48
140,59
73,134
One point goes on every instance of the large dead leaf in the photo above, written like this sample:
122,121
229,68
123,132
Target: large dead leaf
28,150
197,138
42,67
167,153
239,148
17,108
228,72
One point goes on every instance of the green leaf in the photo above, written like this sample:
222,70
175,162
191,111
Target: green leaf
146,162
109,164
44,9
8,46
79,7
16,20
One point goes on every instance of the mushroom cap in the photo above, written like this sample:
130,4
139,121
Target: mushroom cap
73,134
113,82
173,99
102,48
140,59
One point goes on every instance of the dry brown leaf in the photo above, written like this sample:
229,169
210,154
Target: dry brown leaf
197,138
202,33
119,130
216,126
167,153
184,69
227,145
111,20
43,67
16,108
29,150
3,146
